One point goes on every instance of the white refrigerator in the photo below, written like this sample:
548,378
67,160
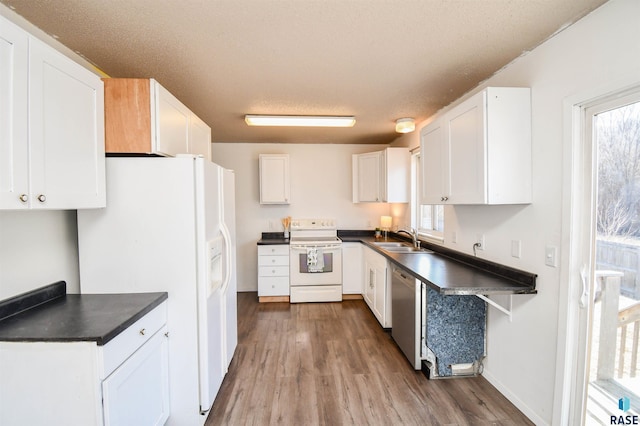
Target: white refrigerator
169,226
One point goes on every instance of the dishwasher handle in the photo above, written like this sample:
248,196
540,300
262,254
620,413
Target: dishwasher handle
405,279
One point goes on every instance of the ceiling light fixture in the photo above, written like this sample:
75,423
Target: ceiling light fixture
300,120
405,125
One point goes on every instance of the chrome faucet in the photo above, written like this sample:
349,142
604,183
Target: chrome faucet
413,233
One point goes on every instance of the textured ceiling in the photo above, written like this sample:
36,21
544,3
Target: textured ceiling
378,60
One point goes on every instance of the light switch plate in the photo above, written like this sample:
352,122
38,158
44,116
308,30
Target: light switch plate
551,256
516,248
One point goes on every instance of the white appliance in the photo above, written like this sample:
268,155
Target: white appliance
315,266
169,226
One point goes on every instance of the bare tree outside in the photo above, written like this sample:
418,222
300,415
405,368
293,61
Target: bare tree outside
618,135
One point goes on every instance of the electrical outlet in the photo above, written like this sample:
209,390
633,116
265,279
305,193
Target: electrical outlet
480,242
454,237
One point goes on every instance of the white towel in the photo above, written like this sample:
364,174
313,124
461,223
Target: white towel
315,260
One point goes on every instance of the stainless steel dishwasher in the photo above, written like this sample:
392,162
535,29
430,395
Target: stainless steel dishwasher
406,315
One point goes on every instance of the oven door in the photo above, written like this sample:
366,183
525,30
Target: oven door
315,264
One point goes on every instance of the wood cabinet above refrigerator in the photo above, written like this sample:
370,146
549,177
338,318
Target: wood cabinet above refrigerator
142,117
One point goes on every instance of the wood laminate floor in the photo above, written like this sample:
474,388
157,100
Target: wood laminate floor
332,364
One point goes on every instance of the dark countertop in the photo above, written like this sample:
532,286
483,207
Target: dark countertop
50,315
272,238
444,270
449,275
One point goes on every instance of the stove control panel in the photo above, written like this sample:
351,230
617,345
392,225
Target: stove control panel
311,224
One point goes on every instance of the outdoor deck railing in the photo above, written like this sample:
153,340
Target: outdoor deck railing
628,318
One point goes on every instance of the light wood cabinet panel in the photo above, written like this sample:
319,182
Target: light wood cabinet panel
142,117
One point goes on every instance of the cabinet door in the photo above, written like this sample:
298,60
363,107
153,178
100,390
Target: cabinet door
274,179
369,177
66,122
171,123
434,161
199,137
14,153
380,299
467,150
352,282
137,393
369,283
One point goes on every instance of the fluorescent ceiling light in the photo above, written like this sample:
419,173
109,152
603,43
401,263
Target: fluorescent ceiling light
299,120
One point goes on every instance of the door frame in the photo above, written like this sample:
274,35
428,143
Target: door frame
578,242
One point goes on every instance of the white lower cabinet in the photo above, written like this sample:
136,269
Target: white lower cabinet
125,382
377,286
352,282
273,270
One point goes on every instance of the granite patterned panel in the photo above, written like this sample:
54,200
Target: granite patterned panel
455,329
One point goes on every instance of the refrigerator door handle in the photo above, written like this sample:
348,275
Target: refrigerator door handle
227,256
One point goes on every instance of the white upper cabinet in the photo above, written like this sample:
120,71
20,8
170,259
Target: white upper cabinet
381,176
142,117
274,179
199,137
368,174
479,152
170,121
52,127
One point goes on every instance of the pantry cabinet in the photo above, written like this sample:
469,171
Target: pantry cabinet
381,176
275,183
377,286
142,117
479,152
51,127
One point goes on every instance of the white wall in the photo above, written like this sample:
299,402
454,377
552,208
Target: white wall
320,187
37,248
602,48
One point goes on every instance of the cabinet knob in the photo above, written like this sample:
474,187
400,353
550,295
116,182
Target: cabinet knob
142,332
273,261
24,198
444,198
42,198
166,334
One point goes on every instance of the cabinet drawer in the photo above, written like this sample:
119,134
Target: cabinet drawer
126,343
277,250
273,260
273,286
273,271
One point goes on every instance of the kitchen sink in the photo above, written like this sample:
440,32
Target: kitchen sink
386,244
406,249
398,247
